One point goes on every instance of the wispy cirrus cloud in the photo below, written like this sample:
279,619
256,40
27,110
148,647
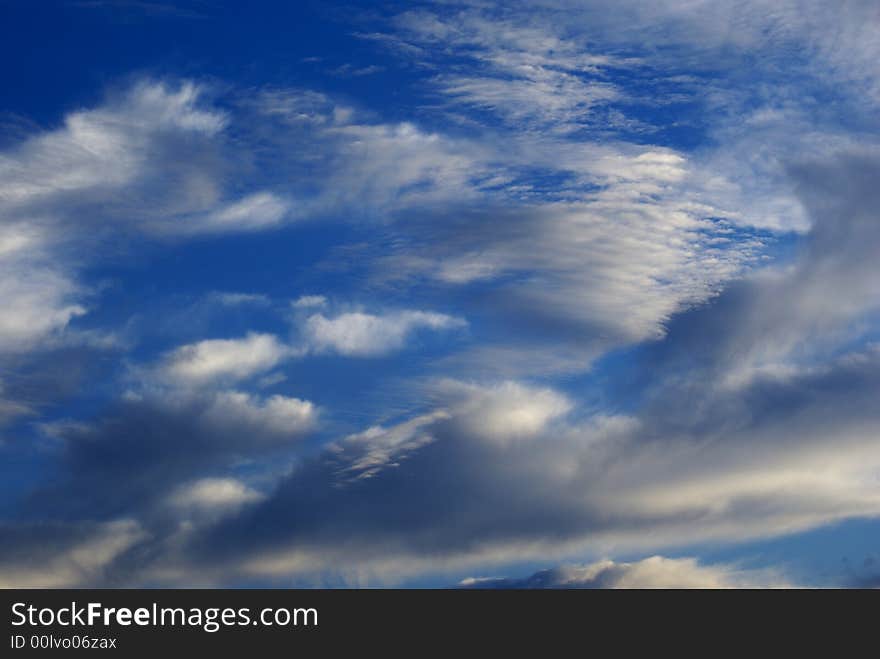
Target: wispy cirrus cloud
530,76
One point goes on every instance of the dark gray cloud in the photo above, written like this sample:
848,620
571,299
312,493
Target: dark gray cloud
789,318
131,460
63,555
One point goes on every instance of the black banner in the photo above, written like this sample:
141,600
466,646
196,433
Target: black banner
146,622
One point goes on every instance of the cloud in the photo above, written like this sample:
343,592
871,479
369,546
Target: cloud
274,416
152,159
503,413
365,454
239,299
586,277
214,362
97,151
258,211
213,495
142,477
582,209
522,71
572,242
39,297
780,319
590,247
755,35
433,495
60,555
147,445
38,303
149,159
341,160
365,335
226,360
554,69
438,493
495,473
703,458
349,70
652,572
10,409
309,301
621,239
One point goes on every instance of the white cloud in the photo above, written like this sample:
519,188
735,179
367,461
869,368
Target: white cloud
309,301
366,335
503,413
105,172
39,296
224,360
232,299
365,454
257,211
214,495
617,267
621,238
37,303
276,416
340,160
103,148
271,379
522,70
541,95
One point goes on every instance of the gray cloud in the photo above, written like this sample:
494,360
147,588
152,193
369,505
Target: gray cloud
158,441
62,555
652,572
794,316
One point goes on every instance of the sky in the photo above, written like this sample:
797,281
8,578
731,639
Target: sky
431,294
